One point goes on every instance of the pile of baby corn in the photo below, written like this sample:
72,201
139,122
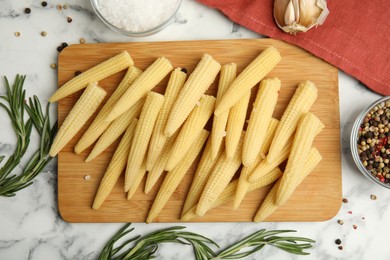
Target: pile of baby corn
166,132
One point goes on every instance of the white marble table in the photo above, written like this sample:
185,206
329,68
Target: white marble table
30,226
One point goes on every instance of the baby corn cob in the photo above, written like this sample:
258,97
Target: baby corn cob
142,135
141,86
300,148
94,74
201,175
137,181
219,178
77,117
175,83
197,84
99,124
174,177
115,130
235,124
301,102
248,78
218,131
243,183
190,130
228,193
159,166
261,115
269,206
116,167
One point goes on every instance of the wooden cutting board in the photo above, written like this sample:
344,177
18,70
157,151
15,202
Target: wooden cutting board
318,198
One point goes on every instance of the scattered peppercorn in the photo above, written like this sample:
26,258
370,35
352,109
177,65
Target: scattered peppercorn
44,3
354,227
64,45
82,40
65,6
373,141
77,73
340,247
27,10
345,200
59,48
337,241
17,34
373,197
340,221
43,33
184,70
53,65
69,19
59,7
349,212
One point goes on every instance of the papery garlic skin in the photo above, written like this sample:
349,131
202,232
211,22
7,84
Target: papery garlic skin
294,16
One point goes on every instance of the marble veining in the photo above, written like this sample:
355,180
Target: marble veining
30,225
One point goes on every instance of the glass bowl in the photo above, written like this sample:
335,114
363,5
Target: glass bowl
354,143
149,31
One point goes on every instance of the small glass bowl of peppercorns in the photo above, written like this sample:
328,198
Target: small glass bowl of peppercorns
370,142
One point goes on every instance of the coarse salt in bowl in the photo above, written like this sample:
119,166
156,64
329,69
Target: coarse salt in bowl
373,160
136,17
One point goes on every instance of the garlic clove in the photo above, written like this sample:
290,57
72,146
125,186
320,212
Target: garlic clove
294,16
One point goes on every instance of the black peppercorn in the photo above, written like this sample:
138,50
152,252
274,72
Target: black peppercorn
64,45
44,3
338,241
184,70
27,10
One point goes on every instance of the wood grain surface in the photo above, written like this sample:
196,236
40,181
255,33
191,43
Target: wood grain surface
318,198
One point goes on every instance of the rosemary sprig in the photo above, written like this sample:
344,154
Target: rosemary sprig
15,97
143,248
255,242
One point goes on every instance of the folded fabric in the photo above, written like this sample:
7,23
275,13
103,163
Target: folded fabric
355,36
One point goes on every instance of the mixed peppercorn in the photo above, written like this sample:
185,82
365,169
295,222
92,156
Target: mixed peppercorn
374,142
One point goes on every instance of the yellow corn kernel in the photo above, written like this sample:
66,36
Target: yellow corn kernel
300,148
261,115
206,164
190,130
248,78
94,74
141,87
137,181
175,83
269,206
174,177
116,167
301,102
115,130
77,117
197,84
235,124
219,178
243,183
99,124
142,135
159,166
218,131
228,193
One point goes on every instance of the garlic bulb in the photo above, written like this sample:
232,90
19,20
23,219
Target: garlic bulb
294,16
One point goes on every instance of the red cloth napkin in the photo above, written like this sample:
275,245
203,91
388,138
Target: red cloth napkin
355,36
